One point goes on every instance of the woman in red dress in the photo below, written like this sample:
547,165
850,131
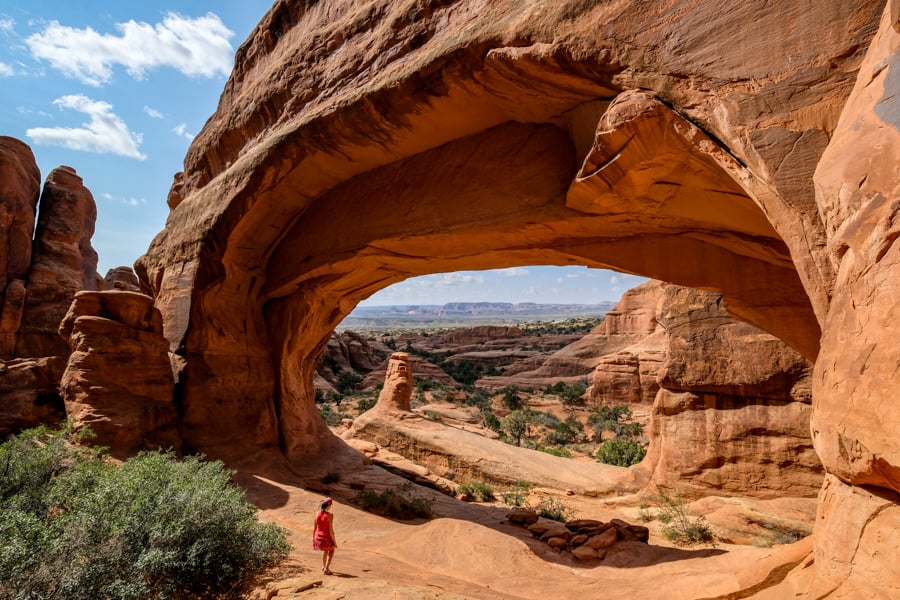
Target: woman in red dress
323,535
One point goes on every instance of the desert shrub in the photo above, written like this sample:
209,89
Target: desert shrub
364,404
479,398
629,430
432,415
544,419
331,417
679,526
75,525
511,398
518,495
477,490
491,421
609,418
554,508
396,503
622,453
515,426
569,394
555,451
347,382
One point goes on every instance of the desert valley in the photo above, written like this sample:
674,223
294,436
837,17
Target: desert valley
725,430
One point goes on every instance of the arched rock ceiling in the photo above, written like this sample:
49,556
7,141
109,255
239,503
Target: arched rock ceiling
359,143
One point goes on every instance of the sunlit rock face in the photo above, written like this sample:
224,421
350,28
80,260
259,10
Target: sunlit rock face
356,145
398,385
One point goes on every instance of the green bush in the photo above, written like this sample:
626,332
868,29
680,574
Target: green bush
491,421
518,495
400,503
476,490
331,417
75,525
554,508
364,404
555,451
515,426
623,453
679,527
511,398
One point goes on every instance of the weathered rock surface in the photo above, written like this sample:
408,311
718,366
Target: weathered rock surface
63,263
674,140
118,379
121,278
398,386
20,183
29,393
733,412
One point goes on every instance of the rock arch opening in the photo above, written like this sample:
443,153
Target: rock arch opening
672,141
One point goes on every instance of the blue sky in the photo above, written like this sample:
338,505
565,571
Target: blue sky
117,90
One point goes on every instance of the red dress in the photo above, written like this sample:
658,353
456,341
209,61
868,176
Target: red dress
322,536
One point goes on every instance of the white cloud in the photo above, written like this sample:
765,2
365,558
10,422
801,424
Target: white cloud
615,279
179,130
513,272
129,201
195,47
7,25
5,70
153,112
105,133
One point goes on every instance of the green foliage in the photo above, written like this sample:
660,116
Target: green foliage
480,399
432,415
569,394
680,527
400,503
477,490
543,419
391,343
331,417
364,404
515,426
75,525
491,421
465,372
511,398
518,495
555,451
551,507
623,453
347,382
609,418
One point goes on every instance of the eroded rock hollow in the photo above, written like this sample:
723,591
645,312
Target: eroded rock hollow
359,144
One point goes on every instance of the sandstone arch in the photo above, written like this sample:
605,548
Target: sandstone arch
673,140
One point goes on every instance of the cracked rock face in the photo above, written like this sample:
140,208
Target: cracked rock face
358,145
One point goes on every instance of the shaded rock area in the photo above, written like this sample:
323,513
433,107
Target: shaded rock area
46,258
63,262
118,379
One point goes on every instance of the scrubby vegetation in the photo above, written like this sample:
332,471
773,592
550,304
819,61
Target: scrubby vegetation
478,491
554,508
76,525
397,503
622,453
679,526
518,495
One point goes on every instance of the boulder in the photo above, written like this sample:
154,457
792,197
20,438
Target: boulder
118,379
603,540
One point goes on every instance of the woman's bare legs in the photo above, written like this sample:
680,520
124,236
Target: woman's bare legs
326,561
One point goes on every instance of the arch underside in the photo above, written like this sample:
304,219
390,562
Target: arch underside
652,197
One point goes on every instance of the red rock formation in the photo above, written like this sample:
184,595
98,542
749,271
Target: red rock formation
118,379
63,263
20,182
29,393
732,416
674,140
121,278
398,385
